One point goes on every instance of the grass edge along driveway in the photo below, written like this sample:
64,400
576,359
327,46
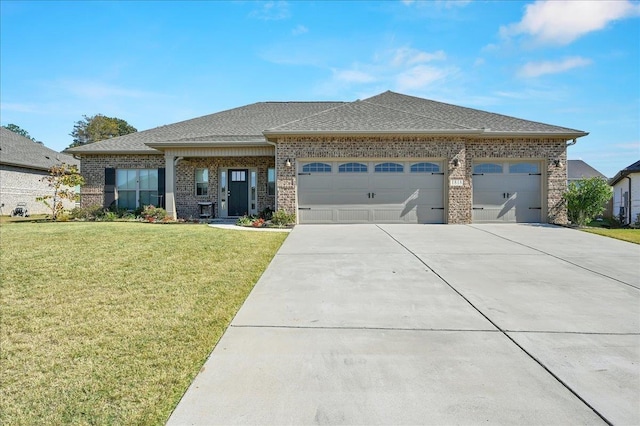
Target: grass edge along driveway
108,323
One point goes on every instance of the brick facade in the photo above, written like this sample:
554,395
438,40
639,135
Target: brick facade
186,199
23,185
458,202
92,192
93,171
464,150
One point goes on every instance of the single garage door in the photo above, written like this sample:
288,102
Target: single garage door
507,192
388,191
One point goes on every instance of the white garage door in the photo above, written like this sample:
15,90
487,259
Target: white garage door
507,192
387,191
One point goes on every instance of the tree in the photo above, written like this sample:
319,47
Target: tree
62,179
586,199
17,129
97,128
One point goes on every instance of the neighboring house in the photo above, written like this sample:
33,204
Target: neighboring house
390,158
23,164
578,169
626,194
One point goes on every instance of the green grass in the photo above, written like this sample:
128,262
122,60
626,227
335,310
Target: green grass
625,234
108,323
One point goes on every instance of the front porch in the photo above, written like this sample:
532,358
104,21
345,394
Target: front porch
234,185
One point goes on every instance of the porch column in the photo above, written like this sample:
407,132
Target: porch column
169,185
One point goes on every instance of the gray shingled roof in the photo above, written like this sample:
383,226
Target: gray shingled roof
16,150
235,126
363,116
578,169
632,168
388,112
462,116
391,112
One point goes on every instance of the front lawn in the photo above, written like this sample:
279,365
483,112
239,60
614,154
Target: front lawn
626,234
108,323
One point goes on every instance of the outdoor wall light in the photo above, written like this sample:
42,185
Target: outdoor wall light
287,163
557,163
456,162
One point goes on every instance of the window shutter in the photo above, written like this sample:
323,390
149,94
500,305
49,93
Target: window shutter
161,189
109,188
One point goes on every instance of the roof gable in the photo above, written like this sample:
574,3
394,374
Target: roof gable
16,150
578,169
237,125
632,168
463,116
366,117
385,113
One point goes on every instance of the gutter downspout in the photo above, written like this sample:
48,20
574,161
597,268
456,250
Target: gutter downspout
573,142
629,200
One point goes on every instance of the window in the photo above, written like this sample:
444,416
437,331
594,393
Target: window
487,168
352,168
238,176
316,168
524,168
389,168
137,188
202,182
425,168
271,181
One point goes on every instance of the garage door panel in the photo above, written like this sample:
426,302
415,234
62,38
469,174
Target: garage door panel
395,182
316,215
426,181
507,196
351,181
384,197
353,215
319,181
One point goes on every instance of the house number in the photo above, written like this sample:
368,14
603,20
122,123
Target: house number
456,182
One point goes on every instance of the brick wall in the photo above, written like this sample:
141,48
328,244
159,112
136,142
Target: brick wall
186,199
465,150
459,199
92,169
22,185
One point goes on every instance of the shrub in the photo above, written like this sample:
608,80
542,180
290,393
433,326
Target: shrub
282,218
154,214
266,214
244,221
586,199
87,213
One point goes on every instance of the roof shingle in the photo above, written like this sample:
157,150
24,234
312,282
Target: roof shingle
16,150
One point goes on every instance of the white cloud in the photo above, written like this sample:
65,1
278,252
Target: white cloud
536,69
272,11
409,56
353,76
299,29
562,22
419,77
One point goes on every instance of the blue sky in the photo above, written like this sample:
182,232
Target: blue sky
574,64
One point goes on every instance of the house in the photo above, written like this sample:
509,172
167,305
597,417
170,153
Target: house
626,194
23,164
390,158
578,169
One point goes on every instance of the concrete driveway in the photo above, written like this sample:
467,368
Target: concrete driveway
431,324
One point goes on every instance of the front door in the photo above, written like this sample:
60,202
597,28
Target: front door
238,194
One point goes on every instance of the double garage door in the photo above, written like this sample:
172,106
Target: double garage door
387,191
